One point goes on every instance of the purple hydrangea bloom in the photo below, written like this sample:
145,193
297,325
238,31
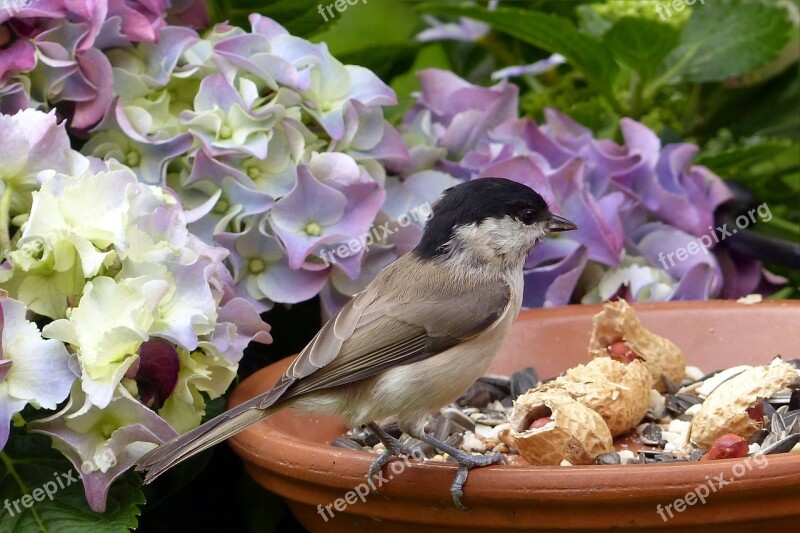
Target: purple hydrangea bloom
263,136
64,44
630,201
103,444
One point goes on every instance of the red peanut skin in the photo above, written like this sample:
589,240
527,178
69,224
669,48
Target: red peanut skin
620,351
728,446
540,422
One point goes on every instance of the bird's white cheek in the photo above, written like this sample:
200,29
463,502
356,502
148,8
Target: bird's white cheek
536,232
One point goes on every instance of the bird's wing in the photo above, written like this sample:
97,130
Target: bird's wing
413,319
378,331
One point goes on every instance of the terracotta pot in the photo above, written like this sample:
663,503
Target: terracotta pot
289,453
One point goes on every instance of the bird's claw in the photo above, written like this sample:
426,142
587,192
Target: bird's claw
393,448
375,469
465,464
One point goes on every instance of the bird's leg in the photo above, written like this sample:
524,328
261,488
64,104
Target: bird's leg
392,448
466,462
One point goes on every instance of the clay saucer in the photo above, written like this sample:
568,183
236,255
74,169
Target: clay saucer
289,453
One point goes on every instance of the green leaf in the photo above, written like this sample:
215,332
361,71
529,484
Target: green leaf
724,39
641,44
387,61
729,162
549,32
299,17
28,464
591,22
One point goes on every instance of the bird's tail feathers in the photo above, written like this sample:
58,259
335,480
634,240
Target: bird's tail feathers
160,459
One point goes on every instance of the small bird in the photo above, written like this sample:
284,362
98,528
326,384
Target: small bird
415,338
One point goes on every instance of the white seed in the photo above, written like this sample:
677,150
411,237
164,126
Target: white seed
693,373
708,386
693,410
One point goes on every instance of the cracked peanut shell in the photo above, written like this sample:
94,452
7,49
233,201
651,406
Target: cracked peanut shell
724,411
574,432
618,322
618,392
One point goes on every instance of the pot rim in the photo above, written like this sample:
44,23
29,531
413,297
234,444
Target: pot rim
336,468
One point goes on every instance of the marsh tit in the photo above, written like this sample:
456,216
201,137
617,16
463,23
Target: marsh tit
416,338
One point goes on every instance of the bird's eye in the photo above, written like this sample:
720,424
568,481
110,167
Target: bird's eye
527,216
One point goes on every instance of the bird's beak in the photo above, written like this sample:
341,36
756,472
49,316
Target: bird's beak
558,223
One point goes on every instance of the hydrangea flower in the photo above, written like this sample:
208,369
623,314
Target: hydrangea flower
148,277
32,370
33,143
63,45
631,201
466,29
536,68
289,147
141,311
103,443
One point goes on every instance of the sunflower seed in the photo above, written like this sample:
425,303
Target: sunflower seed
668,458
608,458
696,455
777,425
501,382
349,444
759,436
412,443
794,401
781,446
670,385
651,434
458,416
522,381
491,418
363,437
393,429
792,421
780,398
442,427
480,394
769,410
679,403
455,439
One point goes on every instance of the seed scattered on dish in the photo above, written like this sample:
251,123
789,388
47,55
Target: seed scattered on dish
635,390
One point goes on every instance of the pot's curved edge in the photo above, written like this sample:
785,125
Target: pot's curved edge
313,471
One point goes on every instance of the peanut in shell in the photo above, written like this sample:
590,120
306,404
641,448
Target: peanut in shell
576,433
724,411
618,392
618,322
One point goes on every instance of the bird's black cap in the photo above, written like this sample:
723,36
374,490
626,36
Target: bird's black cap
475,201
